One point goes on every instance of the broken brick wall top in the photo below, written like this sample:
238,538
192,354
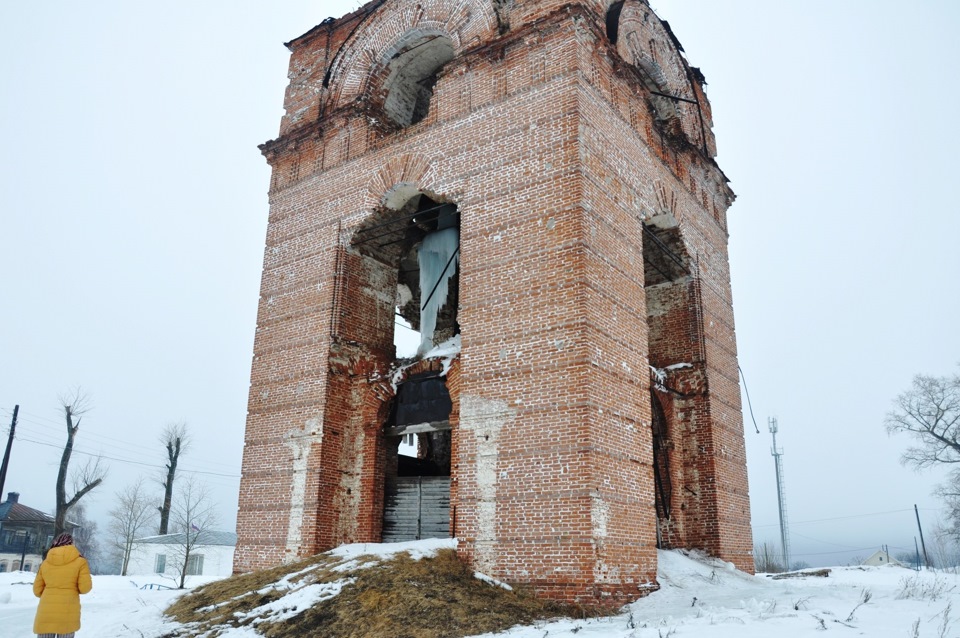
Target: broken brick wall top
329,73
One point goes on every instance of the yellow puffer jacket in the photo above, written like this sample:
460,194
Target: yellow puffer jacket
62,577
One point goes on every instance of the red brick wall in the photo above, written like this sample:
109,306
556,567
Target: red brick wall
544,137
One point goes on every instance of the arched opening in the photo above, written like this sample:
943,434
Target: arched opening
417,245
613,21
420,239
412,73
417,488
629,29
663,483
670,317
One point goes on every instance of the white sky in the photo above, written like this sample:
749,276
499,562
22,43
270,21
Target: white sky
133,211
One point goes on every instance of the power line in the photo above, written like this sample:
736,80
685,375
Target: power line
846,551
842,518
810,538
749,403
106,440
119,460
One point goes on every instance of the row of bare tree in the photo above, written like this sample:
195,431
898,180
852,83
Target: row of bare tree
187,511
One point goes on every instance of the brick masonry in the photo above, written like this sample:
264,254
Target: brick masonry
593,246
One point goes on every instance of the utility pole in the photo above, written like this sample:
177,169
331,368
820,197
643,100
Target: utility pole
926,559
6,454
781,494
23,554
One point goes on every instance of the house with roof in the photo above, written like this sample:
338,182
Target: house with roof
25,534
882,557
211,554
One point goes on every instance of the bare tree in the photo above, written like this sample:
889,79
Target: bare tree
130,516
87,477
175,440
930,412
194,516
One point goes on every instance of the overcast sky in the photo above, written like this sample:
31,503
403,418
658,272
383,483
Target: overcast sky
133,212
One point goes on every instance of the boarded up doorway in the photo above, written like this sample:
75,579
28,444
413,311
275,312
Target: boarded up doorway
417,491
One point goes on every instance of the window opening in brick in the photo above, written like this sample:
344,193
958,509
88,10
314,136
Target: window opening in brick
437,258
428,279
427,299
422,408
661,459
613,21
664,256
406,339
412,73
667,282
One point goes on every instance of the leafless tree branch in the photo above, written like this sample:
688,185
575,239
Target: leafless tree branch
175,439
131,515
74,405
930,413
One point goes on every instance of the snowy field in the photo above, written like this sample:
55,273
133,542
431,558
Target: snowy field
701,598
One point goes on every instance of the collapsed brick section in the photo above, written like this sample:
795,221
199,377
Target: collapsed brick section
574,141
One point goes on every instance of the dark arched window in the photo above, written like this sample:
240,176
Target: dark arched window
413,72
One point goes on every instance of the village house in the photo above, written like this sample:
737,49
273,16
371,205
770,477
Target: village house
211,554
25,534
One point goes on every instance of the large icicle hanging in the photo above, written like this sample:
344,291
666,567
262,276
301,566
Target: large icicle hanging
436,253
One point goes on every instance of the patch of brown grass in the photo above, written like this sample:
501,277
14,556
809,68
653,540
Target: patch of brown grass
397,598
216,603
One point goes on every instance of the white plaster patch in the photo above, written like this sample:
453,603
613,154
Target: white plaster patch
600,515
299,442
485,419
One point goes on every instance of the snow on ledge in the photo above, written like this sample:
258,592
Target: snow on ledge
446,352
426,548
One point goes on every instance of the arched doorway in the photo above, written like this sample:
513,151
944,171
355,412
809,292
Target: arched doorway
419,240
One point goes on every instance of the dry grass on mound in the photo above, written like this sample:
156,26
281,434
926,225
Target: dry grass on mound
397,598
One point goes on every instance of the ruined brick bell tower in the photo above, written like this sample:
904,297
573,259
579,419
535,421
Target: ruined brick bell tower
532,187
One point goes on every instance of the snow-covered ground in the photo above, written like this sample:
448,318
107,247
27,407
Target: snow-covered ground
698,597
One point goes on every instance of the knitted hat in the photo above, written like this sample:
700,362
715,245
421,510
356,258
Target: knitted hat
63,539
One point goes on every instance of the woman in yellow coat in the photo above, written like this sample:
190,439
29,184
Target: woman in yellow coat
62,577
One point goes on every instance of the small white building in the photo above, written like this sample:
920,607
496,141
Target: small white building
882,557
210,555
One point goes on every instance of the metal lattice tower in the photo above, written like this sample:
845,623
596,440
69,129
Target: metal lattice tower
781,494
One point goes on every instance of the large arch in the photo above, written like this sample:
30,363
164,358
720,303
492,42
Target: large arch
359,66
643,41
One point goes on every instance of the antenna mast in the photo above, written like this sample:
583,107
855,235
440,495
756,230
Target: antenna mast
781,494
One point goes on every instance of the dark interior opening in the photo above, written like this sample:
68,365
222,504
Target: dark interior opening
613,21
422,407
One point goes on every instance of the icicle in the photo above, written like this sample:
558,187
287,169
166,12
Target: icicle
435,253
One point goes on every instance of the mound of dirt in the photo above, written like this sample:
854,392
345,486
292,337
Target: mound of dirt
366,596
